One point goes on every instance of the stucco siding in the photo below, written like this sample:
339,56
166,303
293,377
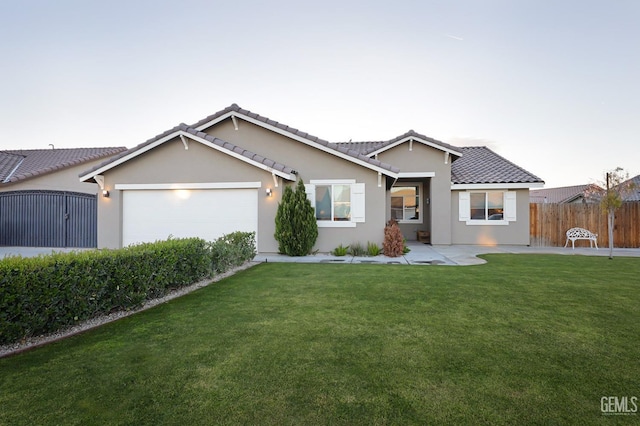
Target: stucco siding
515,233
62,180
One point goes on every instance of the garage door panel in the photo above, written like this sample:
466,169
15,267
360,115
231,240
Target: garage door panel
151,215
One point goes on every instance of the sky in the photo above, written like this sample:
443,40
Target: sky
553,86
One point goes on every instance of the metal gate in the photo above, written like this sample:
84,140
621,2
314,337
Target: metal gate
48,219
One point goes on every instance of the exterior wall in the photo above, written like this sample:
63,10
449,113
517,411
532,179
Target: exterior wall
515,233
171,163
423,158
311,164
63,180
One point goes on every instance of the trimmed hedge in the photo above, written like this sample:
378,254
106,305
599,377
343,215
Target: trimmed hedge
47,293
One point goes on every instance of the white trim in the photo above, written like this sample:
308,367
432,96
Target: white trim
487,222
216,121
417,139
297,138
493,186
100,181
402,175
332,181
335,224
184,142
420,197
196,185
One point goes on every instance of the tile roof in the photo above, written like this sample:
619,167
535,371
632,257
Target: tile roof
347,150
562,195
480,165
369,147
19,165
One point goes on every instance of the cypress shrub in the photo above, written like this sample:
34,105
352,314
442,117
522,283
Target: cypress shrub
296,227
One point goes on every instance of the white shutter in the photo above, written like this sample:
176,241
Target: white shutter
510,206
464,206
357,202
310,190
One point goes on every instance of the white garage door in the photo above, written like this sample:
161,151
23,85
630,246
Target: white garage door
151,215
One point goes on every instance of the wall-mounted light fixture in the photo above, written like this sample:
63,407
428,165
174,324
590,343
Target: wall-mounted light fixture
105,193
269,192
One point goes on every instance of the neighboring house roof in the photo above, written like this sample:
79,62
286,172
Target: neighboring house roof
234,111
374,147
183,130
635,194
562,195
480,165
19,165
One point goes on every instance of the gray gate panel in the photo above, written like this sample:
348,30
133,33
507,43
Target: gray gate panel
81,220
48,219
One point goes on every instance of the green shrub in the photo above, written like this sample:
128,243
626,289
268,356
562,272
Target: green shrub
356,249
44,294
405,248
340,250
373,249
232,250
296,227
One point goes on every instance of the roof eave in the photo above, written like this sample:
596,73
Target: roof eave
416,139
510,185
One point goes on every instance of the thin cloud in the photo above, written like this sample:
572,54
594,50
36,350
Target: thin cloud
454,37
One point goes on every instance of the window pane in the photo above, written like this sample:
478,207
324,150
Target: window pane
323,202
341,202
414,214
397,207
478,209
495,205
405,202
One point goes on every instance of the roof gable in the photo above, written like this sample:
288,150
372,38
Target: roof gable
347,153
372,148
480,165
19,165
185,132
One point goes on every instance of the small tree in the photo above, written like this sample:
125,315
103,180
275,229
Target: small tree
393,244
618,187
296,227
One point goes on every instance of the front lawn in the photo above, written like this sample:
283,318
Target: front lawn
523,339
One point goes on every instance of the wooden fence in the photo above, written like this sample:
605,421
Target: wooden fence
549,223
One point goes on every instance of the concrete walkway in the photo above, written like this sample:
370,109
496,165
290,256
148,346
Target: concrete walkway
423,254
420,254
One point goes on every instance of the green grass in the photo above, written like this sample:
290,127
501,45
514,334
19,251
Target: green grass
523,339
